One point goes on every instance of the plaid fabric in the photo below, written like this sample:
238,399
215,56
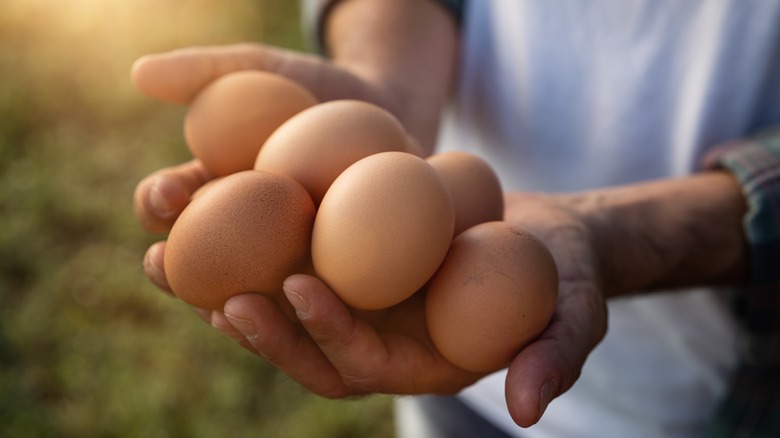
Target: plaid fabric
752,407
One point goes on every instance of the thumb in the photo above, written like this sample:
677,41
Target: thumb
550,365
179,75
537,375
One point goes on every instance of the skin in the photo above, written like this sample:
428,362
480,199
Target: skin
611,242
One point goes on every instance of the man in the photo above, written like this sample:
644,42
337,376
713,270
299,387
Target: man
615,102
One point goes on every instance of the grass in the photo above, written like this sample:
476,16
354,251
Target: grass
87,346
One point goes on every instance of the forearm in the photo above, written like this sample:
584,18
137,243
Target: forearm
669,233
406,47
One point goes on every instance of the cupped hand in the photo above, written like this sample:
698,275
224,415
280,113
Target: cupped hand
177,77
330,349
551,364
337,352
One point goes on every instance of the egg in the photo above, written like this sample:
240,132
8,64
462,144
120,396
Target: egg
230,119
246,233
382,230
494,293
206,186
316,145
474,187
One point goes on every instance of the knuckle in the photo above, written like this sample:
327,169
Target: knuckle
364,380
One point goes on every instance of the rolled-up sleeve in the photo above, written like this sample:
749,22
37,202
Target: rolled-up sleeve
752,404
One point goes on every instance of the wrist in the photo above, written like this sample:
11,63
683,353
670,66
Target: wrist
668,234
405,49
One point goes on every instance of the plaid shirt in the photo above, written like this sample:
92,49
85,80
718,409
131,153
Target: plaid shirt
752,407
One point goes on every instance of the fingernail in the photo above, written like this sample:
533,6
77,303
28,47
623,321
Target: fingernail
159,204
154,272
298,302
245,326
545,397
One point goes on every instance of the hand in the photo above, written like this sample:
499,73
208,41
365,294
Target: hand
650,236
402,359
177,77
333,351
337,352
551,364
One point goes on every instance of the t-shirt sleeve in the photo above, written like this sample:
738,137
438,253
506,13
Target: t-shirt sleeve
314,15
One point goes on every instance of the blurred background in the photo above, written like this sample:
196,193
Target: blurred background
87,346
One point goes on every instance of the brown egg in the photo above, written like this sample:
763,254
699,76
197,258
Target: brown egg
382,230
474,186
316,145
206,186
231,118
495,292
246,233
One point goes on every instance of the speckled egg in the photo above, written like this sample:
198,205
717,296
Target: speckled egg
495,292
246,233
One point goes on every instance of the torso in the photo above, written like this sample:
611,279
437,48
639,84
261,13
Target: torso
606,92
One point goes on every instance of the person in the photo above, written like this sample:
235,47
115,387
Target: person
632,137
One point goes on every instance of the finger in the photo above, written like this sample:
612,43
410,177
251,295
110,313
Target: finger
154,266
367,361
203,314
177,76
219,321
349,343
549,366
284,343
160,197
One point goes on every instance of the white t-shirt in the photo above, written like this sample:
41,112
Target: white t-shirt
577,94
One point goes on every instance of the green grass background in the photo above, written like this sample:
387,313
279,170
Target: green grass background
87,346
